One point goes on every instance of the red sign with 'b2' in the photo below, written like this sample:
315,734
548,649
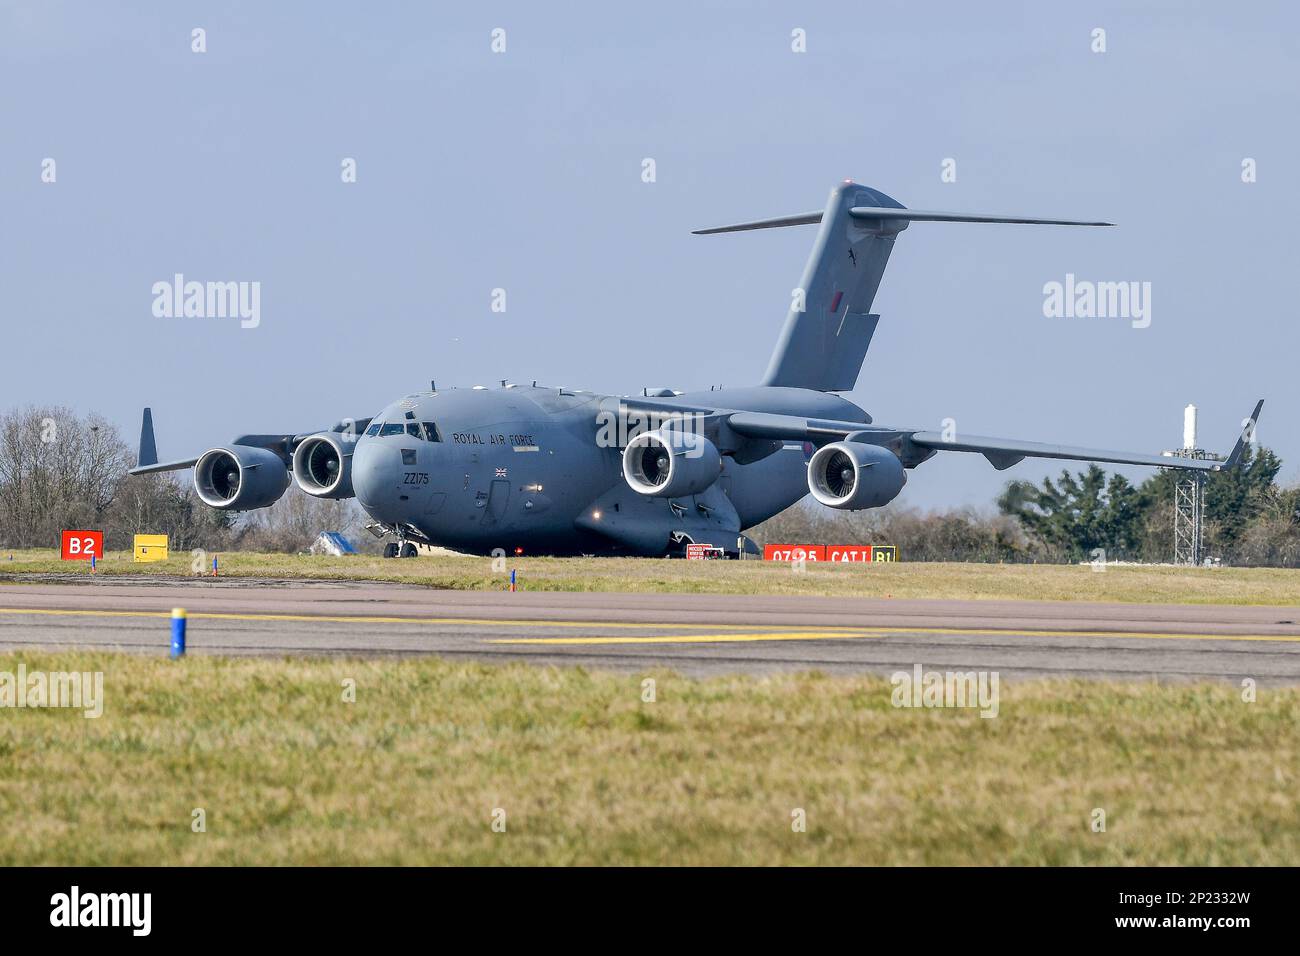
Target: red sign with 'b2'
82,545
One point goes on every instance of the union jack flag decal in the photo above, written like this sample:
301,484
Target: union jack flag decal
501,472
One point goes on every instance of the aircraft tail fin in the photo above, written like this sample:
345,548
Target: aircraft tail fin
829,328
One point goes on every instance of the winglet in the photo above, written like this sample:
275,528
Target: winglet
1247,435
148,450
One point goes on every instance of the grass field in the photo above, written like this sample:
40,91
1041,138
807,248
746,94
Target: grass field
903,580
586,772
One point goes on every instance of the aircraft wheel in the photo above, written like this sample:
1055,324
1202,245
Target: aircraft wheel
390,549
408,550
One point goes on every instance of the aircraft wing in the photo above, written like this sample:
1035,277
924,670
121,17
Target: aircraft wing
916,445
147,462
157,466
1002,453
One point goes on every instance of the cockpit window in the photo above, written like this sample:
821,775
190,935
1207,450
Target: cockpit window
425,431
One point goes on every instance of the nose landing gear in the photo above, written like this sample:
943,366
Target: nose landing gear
401,548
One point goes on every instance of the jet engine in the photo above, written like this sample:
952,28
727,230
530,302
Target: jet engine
240,478
851,475
670,463
322,466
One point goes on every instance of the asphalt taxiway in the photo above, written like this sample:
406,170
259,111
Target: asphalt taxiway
690,633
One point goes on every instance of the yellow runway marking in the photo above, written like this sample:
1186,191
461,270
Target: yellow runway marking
875,632
688,638
372,619
735,632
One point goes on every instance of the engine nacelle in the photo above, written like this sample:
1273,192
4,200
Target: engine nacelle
322,466
851,475
671,463
240,478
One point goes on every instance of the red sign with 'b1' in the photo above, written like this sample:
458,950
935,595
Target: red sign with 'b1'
82,545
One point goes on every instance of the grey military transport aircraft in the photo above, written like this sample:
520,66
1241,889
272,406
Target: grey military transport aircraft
529,469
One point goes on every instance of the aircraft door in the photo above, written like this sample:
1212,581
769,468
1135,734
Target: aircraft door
498,498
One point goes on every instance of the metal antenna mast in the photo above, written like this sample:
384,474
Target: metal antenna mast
1189,498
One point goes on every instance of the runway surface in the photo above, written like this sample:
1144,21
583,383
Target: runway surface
690,633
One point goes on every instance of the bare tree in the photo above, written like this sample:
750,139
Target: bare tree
56,471
59,471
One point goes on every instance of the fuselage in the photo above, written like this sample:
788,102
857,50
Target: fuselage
523,469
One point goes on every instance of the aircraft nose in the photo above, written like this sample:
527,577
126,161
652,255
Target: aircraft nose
375,469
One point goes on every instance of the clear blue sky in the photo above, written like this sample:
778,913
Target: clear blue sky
522,171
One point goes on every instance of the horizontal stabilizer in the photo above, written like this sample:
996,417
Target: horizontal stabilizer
879,213
889,214
803,219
